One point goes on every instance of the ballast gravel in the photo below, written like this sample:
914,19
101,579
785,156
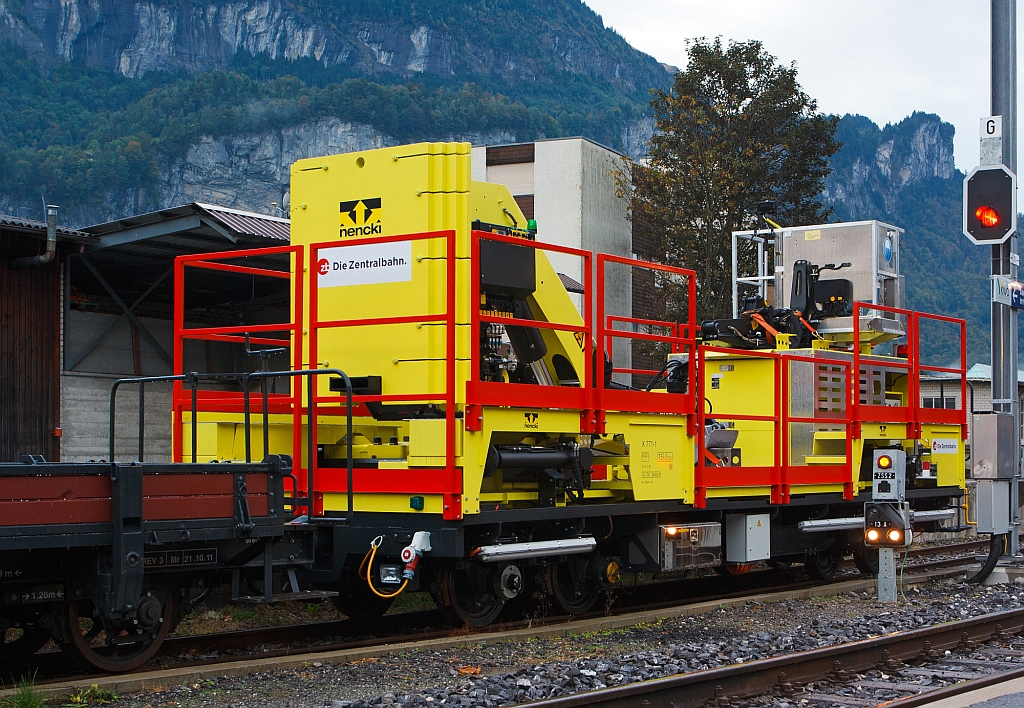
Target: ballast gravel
508,673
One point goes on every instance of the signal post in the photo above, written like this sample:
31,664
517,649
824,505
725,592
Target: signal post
887,516
990,218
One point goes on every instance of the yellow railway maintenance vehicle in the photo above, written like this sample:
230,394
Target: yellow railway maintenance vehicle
490,450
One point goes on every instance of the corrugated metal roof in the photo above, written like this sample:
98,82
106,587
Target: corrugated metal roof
573,286
246,224
15,223
250,223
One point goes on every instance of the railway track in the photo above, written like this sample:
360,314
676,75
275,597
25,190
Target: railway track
912,668
339,635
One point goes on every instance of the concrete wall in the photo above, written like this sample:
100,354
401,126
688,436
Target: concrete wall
85,391
85,412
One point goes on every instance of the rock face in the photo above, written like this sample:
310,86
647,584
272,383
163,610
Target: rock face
875,165
248,172
251,172
133,38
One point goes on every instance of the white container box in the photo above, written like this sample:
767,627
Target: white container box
748,538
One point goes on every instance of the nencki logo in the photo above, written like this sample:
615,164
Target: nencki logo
361,217
531,420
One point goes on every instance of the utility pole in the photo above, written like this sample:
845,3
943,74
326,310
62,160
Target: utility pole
1004,255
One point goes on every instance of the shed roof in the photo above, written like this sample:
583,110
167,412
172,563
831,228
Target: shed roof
38,229
134,253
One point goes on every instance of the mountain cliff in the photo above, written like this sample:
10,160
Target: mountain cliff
114,106
904,174
512,40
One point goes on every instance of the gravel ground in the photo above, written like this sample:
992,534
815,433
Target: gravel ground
509,673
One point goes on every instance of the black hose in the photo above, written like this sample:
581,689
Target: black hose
199,598
995,552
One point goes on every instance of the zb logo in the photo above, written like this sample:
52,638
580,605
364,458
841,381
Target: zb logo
361,217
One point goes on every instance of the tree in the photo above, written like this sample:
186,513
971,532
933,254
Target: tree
734,129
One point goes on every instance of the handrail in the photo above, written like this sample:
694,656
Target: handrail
311,375
192,378
684,337
235,333
452,494
909,365
931,415
480,393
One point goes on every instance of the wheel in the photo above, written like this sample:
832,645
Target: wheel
866,560
354,599
117,646
22,638
467,595
570,589
822,565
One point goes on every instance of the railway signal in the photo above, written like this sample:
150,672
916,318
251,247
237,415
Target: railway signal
887,516
887,525
990,204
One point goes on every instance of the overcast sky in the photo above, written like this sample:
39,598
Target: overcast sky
880,58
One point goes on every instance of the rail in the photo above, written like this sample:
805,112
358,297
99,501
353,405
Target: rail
944,415
866,409
192,378
310,375
870,369
683,339
231,401
782,473
491,393
411,480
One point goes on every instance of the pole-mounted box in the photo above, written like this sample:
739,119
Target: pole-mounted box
889,475
992,445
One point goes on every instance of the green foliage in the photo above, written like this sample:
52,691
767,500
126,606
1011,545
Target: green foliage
79,134
25,695
945,273
736,129
94,695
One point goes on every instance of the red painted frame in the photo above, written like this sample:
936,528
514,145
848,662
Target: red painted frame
913,413
944,415
782,473
684,339
229,401
864,413
446,481
490,393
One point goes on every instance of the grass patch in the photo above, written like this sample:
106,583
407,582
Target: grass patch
90,696
25,695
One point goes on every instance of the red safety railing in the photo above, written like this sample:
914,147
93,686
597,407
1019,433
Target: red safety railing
704,476
492,393
445,481
231,401
791,474
683,339
912,412
782,473
943,415
862,376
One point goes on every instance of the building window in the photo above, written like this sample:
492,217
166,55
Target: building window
937,402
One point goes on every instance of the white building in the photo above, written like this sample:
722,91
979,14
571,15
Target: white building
569,186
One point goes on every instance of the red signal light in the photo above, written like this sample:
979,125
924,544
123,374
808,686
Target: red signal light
988,216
